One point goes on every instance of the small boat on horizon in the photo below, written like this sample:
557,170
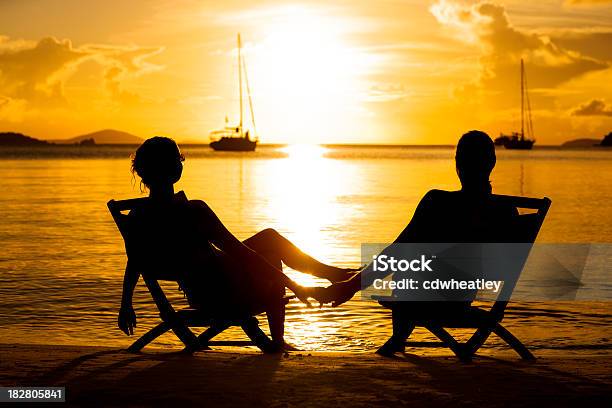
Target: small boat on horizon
516,140
236,138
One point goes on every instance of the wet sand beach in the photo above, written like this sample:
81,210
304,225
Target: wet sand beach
98,376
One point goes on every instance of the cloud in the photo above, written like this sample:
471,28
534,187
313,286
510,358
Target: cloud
132,59
594,43
386,92
588,2
486,24
122,63
112,79
34,73
595,107
11,110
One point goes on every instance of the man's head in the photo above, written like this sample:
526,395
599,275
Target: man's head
475,159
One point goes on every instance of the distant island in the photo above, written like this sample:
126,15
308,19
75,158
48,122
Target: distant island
588,142
581,143
18,139
106,136
111,136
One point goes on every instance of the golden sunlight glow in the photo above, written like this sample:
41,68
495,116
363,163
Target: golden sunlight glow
307,77
305,153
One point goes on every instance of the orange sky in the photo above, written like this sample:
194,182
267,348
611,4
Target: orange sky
320,71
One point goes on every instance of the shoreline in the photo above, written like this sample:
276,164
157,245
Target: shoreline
228,377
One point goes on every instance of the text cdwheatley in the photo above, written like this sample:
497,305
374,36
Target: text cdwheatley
438,284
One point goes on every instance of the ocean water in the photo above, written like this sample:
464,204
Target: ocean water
62,259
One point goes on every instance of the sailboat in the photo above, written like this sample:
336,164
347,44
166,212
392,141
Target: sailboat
236,138
518,141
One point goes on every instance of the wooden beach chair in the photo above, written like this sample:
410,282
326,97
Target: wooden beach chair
484,321
180,321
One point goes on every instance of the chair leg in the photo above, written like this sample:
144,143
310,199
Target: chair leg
211,332
477,340
513,342
253,331
185,335
401,331
451,343
148,337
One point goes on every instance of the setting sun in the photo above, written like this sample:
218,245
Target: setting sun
306,77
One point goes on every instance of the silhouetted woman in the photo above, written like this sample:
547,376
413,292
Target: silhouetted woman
467,215
217,272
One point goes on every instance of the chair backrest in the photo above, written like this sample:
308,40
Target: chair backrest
526,229
117,209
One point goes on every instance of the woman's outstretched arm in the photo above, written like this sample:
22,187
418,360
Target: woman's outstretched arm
127,318
227,242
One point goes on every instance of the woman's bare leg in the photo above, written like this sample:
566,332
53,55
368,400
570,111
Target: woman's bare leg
276,321
276,312
277,250
269,243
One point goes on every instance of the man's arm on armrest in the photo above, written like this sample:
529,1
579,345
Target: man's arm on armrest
411,233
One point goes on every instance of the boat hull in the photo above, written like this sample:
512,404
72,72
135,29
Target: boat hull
515,141
519,144
233,144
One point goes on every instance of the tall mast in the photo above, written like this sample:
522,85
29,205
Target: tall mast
246,79
240,80
529,121
522,103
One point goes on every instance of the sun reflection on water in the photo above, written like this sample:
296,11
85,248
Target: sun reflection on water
302,193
